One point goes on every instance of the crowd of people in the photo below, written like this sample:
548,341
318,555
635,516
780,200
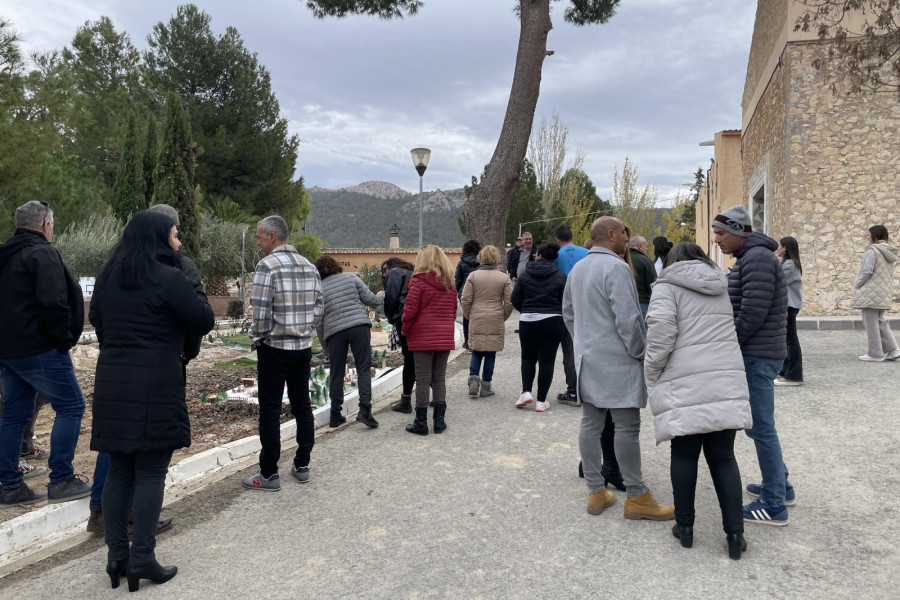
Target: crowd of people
632,331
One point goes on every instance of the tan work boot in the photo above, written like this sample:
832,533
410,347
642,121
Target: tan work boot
404,405
645,506
600,500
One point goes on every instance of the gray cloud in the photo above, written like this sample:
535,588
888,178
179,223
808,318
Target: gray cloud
660,77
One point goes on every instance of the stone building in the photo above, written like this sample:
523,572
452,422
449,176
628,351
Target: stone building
353,259
816,164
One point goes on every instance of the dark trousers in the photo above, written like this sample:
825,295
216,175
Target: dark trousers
466,331
409,366
359,340
540,341
28,433
793,366
568,350
431,372
275,368
718,448
608,443
142,475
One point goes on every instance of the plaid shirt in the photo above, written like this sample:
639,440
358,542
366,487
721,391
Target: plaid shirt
286,300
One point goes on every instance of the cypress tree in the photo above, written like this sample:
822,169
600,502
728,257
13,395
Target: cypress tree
151,152
128,193
174,179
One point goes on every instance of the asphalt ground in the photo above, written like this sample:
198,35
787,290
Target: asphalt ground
494,508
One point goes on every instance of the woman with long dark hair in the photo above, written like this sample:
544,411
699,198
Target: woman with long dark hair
395,274
345,326
538,297
661,247
791,373
142,309
468,263
873,294
691,341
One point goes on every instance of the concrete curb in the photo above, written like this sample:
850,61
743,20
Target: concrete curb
31,532
839,323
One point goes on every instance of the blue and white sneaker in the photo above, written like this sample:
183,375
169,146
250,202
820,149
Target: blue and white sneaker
760,512
790,498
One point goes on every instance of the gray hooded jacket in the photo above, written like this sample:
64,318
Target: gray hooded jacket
693,364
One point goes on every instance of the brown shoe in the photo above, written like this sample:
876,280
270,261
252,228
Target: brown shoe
95,523
645,506
600,500
404,405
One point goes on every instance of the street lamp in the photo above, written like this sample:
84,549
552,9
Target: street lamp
244,227
420,158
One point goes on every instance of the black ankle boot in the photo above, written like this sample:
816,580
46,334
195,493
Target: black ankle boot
420,424
152,571
736,545
613,476
365,416
337,419
685,533
439,411
116,569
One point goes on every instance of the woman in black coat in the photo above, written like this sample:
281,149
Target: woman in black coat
395,274
142,308
467,264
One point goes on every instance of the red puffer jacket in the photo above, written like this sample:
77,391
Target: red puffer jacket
429,314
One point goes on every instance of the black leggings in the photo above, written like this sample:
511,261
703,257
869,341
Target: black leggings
409,367
718,448
540,341
793,366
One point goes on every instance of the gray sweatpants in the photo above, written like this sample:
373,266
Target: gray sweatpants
881,339
627,443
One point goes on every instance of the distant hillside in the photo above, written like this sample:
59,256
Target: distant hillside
361,216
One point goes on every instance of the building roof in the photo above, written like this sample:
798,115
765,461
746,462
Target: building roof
381,250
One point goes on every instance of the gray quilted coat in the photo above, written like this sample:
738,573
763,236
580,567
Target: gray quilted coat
344,295
873,287
693,364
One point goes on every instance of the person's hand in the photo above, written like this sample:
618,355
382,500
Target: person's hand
380,293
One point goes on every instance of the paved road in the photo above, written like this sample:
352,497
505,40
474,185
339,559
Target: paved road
493,508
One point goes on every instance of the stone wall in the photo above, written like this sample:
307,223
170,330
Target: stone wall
771,18
844,176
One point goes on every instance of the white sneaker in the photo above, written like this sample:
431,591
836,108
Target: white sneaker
524,400
787,382
541,406
867,358
893,355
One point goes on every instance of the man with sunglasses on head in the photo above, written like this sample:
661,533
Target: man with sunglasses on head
42,311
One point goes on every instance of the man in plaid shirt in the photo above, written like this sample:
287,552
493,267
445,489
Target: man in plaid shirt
287,305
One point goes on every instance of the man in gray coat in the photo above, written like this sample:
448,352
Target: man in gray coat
601,311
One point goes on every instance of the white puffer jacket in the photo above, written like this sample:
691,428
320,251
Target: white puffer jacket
875,282
693,364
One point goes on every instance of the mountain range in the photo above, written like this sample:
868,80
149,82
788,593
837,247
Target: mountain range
361,216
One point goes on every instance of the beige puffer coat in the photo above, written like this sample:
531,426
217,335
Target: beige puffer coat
486,303
693,364
875,291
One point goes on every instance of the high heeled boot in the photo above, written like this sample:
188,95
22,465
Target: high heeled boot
153,571
736,545
685,533
420,424
116,569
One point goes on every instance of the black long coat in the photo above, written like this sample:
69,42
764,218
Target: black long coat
139,401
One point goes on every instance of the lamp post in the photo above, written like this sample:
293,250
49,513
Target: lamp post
244,227
420,158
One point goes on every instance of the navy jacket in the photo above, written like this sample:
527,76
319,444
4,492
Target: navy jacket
540,289
759,298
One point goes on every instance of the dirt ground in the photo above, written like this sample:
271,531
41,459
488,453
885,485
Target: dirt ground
211,424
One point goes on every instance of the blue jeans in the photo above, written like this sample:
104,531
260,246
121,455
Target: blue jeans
475,364
50,373
761,373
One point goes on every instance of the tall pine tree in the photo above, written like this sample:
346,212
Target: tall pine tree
151,152
174,180
128,193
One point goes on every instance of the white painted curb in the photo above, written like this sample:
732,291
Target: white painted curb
27,533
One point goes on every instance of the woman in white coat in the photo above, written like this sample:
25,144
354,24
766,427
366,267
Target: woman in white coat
696,385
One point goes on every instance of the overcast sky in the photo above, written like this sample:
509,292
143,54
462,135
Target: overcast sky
660,77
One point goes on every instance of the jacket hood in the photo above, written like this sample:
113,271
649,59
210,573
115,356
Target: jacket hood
470,259
695,275
541,269
22,239
758,239
887,251
431,279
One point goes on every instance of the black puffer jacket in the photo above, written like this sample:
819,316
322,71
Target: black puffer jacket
395,294
759,298
41,305
540,289
139,403
467,264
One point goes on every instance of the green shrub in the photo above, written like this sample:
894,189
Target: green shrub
371,276
85,246
235,310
